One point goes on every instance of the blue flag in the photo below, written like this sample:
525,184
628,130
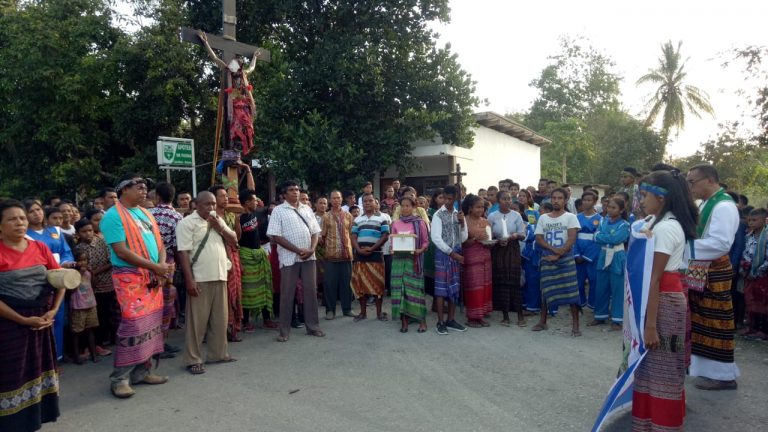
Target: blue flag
636,287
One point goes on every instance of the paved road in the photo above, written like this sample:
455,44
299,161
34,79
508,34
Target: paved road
368,377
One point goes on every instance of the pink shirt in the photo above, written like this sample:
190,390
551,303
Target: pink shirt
400,227
82,297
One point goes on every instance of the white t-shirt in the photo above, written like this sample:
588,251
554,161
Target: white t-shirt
555,230
669,238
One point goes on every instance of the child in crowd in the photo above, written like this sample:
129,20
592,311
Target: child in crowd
531,255
609,291
754,271
604,205
586,251
389,201
100,268
83,316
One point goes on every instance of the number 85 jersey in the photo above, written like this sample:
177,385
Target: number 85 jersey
555,230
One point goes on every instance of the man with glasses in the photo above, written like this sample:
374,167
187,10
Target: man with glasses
294,228
139,271
708,278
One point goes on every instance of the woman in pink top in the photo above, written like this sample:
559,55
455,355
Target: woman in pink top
408,300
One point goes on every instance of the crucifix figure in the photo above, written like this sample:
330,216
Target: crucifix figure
236,101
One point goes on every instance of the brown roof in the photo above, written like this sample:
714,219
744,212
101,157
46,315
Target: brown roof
509,127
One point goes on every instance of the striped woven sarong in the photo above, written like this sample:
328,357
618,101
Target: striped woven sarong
368,278
257,279
558,282
29,384
234,290
507,292
658,400
447,276
476,281
407,288
140,335
712,326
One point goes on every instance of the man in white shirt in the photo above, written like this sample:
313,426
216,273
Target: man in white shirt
448,232
294,228
712,336
201,239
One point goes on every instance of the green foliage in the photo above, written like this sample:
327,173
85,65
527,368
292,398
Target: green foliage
578,82
673,97
754,69
571,153
57,90
578,109
82,102
741,164
621,140
350,85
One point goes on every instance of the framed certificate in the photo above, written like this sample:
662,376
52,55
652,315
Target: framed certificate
403,242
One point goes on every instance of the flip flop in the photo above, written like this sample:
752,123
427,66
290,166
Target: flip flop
522,324
383,317
504,323
539,327
575,333
281,338
473,324
225,360
360,318
196,369
485,323
422,330
404,330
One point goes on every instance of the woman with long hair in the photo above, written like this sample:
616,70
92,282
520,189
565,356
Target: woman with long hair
476,275
658,401
408,300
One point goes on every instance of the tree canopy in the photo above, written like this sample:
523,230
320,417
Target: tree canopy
578,109
349,87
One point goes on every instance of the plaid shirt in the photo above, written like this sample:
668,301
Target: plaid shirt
167,218
286,223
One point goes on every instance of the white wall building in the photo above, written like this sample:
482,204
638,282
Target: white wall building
502,149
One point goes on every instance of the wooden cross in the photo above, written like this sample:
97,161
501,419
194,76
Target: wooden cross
230,48
458,174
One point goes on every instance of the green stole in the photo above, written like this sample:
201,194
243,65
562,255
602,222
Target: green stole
706,212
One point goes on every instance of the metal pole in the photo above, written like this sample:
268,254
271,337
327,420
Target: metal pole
194,181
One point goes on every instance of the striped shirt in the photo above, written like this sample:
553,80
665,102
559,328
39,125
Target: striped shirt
369,230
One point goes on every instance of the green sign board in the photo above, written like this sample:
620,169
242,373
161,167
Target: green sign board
177,152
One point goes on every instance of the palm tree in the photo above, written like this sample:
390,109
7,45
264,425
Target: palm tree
673,96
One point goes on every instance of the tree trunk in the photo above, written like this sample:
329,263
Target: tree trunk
565,169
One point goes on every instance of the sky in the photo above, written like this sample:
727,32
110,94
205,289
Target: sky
504,44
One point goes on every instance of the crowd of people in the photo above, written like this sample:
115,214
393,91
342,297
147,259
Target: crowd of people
153,260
